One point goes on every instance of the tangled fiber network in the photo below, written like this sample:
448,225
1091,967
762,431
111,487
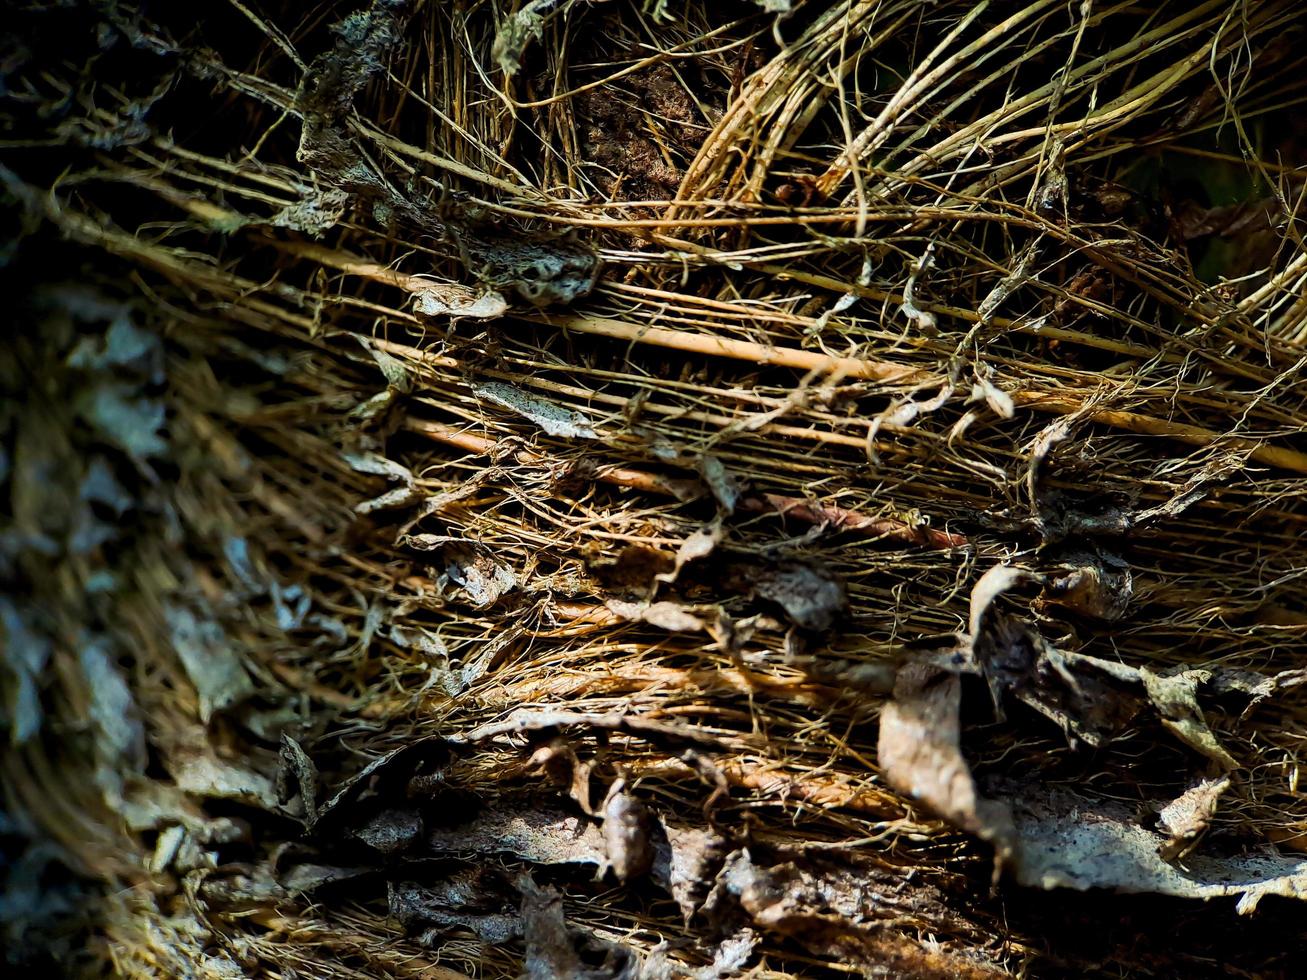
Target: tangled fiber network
642,489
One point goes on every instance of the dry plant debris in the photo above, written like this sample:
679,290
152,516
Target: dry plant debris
632,489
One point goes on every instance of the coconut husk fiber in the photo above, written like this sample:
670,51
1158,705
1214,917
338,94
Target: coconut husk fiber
634,489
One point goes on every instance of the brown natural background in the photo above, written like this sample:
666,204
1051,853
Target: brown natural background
643,489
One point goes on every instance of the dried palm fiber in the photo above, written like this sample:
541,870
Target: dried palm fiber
478,472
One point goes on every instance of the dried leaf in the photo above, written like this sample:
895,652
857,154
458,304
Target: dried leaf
519,30
923,320
197,770
120,742
998,400
1068,843
26,653
831,914
557,951
1175,698
124,418
471,900
1016,661
1091,586
904,413
315,213
375,465
686,860
305,878
920,754
542,269
391,831
551,419
124,344
392,369
386,778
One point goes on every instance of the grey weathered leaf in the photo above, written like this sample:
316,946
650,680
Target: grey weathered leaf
519,30
1070,843
315,213
554,948
377,465
197,770
304,878
120,742
391,831
832,912
919,751
1175,697
686,859
471,900
26,652
537,834
392,368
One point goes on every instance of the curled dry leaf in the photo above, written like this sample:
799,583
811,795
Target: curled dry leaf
686,860
482,578
920,754
391,831
210,660
315,213
725,488
537,834
998,400
556,950
1175,698
377,465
